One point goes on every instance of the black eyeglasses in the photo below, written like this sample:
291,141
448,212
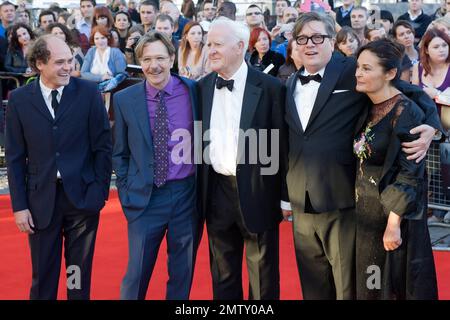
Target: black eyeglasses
257,13
316,39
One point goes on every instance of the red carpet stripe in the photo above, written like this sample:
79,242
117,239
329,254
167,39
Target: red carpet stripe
111,258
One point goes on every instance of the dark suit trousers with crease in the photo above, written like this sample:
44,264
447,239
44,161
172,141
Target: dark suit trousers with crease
78,228
325,252
227,236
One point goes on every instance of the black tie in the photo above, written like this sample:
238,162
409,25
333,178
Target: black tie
220,83
55,103
306,79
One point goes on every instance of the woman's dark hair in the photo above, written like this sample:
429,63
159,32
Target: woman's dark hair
389,53
70,40
14,42
404,24
124,13
426,39
342,36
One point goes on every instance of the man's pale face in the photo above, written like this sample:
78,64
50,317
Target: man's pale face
315,56
87,9
415,5
148,15
156,64
289,13
56,72
23,17
8,14
46,20
348,3
132,4
171,10
164,27
279,8
209,11
254,17
358,19
224,50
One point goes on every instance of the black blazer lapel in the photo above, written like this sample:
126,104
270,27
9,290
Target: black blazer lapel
37,100
291,106
68,98
330,77
207,100
252,95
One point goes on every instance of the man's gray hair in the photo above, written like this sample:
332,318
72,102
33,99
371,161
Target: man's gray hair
308,17
238,29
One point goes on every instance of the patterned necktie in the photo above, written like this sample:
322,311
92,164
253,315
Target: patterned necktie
55,103
161,139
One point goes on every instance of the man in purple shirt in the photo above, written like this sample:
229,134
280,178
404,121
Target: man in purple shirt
156,175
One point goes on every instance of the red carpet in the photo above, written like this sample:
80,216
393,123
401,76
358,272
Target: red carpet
111,258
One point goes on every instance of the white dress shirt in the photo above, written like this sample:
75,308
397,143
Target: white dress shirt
47,95
305,97
224,125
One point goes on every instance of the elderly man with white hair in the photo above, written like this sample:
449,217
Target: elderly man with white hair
242,112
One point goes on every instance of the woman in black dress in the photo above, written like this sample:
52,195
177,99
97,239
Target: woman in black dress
394,259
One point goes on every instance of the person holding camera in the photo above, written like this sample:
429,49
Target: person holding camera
134,34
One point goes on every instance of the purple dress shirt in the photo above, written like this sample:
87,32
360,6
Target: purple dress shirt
179,113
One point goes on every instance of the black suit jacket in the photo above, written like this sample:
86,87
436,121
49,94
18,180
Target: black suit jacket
77,144
321,160
262,108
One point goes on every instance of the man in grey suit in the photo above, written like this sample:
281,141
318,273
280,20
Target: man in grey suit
155,180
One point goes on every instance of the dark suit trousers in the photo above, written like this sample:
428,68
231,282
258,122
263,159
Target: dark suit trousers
79,230
169,213
227,236
325,252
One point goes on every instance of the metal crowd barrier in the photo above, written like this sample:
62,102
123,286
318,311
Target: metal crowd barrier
437,198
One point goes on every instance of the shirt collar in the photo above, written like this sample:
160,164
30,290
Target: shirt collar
413,17
240,76
343,10
153,92
84,22
47,92
321,72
